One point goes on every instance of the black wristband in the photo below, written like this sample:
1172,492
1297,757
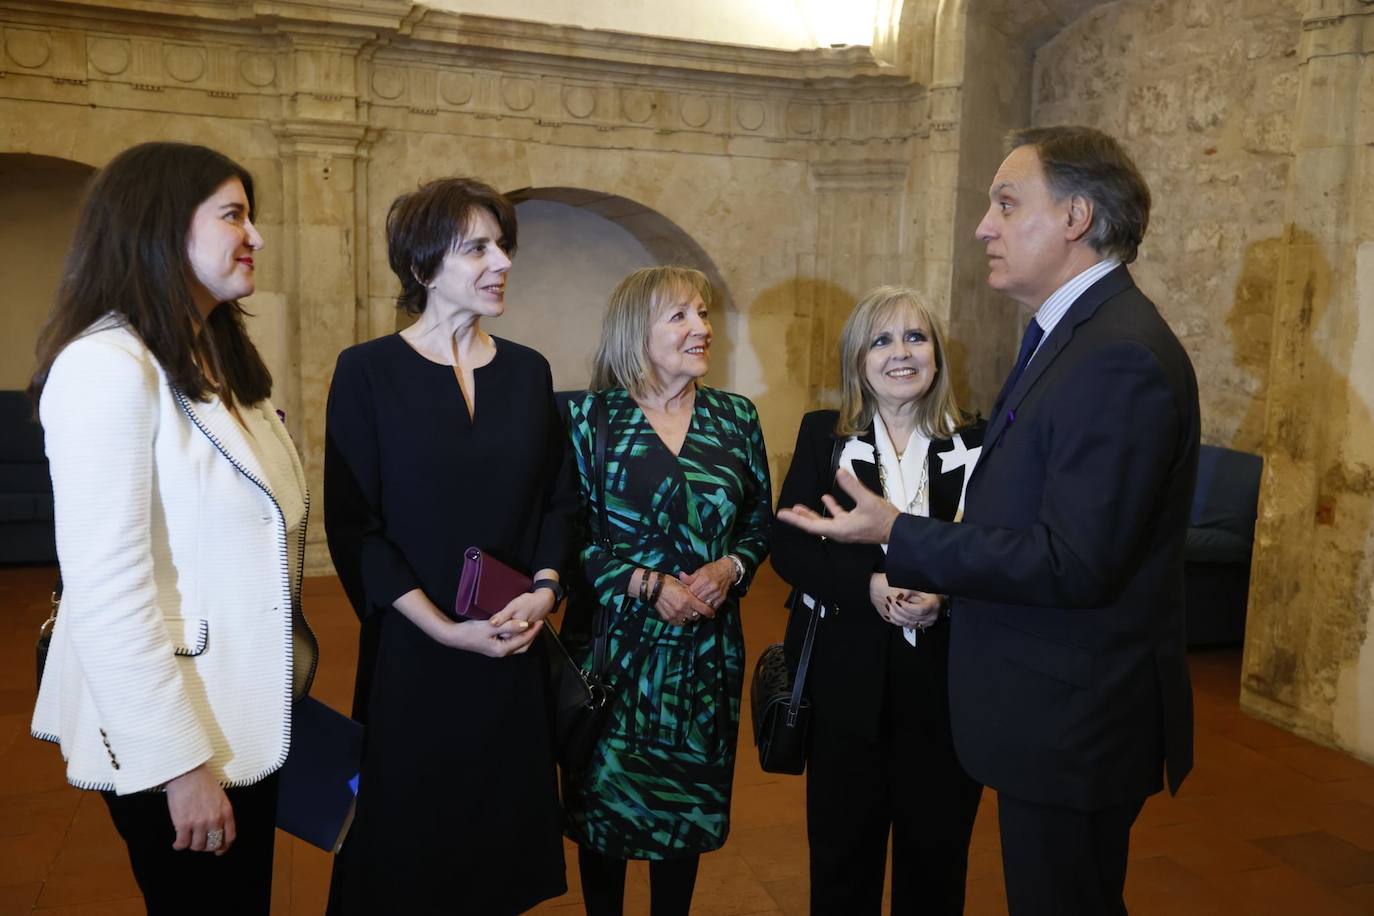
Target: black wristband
657,590
552,585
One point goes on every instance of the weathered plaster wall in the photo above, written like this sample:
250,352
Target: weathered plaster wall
1252,120
40,199
1203,92
785,24
1308,657
556,292
786,175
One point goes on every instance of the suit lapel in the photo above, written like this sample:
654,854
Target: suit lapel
867,471
944,488
226,434
1083,309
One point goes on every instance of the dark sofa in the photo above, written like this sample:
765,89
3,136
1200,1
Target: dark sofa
26,517
1221,534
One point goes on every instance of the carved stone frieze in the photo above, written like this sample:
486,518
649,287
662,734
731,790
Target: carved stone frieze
456,88
441,69
108,56
29,48
694,110
517,93
859,174
184,63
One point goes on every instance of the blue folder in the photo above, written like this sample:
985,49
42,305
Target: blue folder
318,784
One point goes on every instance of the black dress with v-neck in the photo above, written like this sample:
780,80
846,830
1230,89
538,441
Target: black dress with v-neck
458,800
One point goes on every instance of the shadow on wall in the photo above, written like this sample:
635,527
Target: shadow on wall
794,334
1251,323
1308,600
41,198
584,242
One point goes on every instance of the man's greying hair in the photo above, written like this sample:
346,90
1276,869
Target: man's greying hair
1091,164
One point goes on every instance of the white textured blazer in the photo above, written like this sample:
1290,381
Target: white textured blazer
173,645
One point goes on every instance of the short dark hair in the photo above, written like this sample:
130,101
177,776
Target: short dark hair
130,256
426,224
1090,163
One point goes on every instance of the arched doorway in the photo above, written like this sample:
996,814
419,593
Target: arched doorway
40,197
575,246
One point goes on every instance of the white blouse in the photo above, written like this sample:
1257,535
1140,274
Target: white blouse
281,477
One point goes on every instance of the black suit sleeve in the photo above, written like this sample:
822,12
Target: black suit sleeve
371,568
1109,433
835,573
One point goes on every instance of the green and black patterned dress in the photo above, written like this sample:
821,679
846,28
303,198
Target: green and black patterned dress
658,784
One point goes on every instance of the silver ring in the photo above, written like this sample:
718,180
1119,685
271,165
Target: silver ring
213,840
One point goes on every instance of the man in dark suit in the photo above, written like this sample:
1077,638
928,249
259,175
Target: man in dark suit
1069,688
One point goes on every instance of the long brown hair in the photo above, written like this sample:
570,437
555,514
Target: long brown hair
129,256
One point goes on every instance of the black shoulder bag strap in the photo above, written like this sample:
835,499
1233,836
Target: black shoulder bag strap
601,433
799,604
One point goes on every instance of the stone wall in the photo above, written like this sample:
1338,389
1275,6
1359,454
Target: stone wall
1252,120
788,176
1203,92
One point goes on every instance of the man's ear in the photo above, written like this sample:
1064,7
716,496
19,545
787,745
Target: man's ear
1080,217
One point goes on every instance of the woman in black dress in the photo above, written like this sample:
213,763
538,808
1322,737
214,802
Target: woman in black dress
442,437
881,758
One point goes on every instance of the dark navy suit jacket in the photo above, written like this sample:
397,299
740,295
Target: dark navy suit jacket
1068,677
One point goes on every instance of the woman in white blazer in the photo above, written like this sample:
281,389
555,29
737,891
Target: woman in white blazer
181,511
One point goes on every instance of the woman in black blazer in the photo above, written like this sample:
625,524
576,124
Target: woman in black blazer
881,757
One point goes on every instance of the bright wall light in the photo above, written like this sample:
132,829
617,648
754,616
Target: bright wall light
832,22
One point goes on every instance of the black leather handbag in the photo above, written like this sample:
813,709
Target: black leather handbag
781,711
582,699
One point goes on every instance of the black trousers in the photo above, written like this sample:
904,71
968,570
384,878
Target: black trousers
907,782
671,882
1061,862
238,883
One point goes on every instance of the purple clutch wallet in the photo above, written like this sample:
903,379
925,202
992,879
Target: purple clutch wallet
486,586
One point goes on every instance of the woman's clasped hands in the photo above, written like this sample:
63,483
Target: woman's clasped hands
903,607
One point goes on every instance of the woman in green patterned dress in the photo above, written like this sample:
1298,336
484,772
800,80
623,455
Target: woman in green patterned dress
687,498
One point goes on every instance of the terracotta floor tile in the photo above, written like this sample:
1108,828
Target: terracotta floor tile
1361,895
727,886
792,896
1283,891
1322,857
39,812
1200,849
18,899
1161,885
28,859
1321,763
132,906
1190,855
773,853
985,897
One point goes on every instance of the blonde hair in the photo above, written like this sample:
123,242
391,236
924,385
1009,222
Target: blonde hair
622,355
937,414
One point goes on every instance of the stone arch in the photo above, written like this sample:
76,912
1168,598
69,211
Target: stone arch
664,241
42,196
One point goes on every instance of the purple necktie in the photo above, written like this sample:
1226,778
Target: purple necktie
1029,341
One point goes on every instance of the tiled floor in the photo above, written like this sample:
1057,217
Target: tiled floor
1267,823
